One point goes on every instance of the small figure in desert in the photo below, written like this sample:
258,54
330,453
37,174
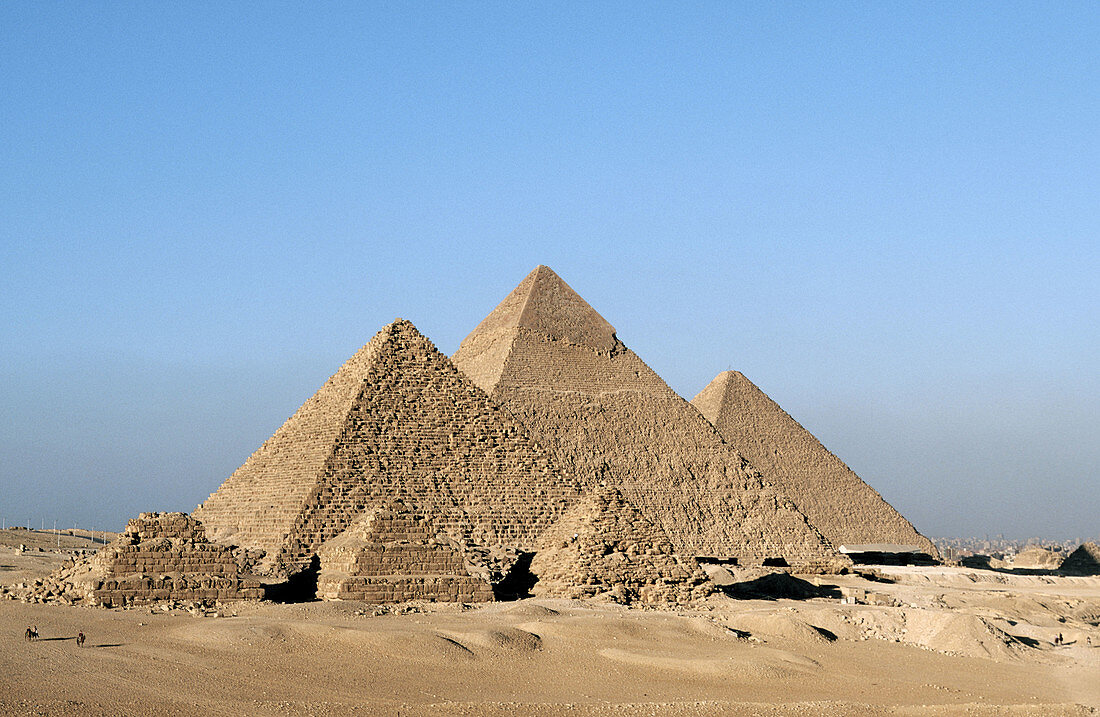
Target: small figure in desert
27,636
80,639
1058,640
32,633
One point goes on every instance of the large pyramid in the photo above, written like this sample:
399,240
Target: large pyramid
844,508
398,420
547,356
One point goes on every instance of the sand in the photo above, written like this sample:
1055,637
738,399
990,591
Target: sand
939,641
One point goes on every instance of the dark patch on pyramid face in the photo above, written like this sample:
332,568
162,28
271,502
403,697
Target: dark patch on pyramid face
840,504
398,420
557,364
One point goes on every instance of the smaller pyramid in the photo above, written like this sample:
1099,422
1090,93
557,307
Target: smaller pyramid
160,556
604,547
1083,561
845,509
394,554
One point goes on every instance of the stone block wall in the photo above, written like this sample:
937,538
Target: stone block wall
395,554
160,556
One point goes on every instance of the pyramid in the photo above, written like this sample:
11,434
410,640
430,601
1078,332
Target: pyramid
551,359
160,556
398,420
605,547
845,509
394,554
1085,560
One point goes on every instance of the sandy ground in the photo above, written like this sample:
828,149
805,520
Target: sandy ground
940,641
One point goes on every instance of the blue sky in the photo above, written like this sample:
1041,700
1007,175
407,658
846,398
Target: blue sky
885,214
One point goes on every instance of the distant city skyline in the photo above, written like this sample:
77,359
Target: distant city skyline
884,216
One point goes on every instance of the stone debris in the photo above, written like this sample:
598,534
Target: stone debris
397,420
1035,557
606,548
160,557
551,359
842,506
394,554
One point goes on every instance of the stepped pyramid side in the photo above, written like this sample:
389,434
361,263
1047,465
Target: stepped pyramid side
417,429
608,416
842,506
1085,560
160,556
393,554
605,547
258,504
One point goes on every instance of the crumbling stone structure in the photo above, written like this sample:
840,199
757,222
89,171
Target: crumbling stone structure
603,547
394,554
845,509
160,556
398,420
552,360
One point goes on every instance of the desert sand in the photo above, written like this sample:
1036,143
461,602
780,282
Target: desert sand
895,640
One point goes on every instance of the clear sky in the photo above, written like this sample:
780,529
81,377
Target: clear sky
887,215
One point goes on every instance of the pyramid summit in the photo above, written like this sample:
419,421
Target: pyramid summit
840,504
397,420
552,360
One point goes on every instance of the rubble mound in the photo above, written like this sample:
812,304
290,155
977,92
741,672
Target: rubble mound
604,547
1034,557
1083,561
394,554
160,556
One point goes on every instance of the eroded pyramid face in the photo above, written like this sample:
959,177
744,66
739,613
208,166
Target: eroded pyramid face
398,420
553,361
844,508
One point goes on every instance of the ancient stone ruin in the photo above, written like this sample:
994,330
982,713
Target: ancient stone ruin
393,554
398,420
604,547
845,509
552,360
160,556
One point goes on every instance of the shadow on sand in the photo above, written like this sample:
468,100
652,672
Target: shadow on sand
780,585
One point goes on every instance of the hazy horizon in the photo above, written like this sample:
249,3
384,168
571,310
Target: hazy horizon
885,216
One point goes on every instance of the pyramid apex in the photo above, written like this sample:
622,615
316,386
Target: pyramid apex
545,304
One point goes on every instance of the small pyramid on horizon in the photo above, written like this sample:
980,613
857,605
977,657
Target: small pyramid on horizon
1085,560
397,420
838,502
551,359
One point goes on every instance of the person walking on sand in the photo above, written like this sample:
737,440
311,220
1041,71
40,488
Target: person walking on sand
80,639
